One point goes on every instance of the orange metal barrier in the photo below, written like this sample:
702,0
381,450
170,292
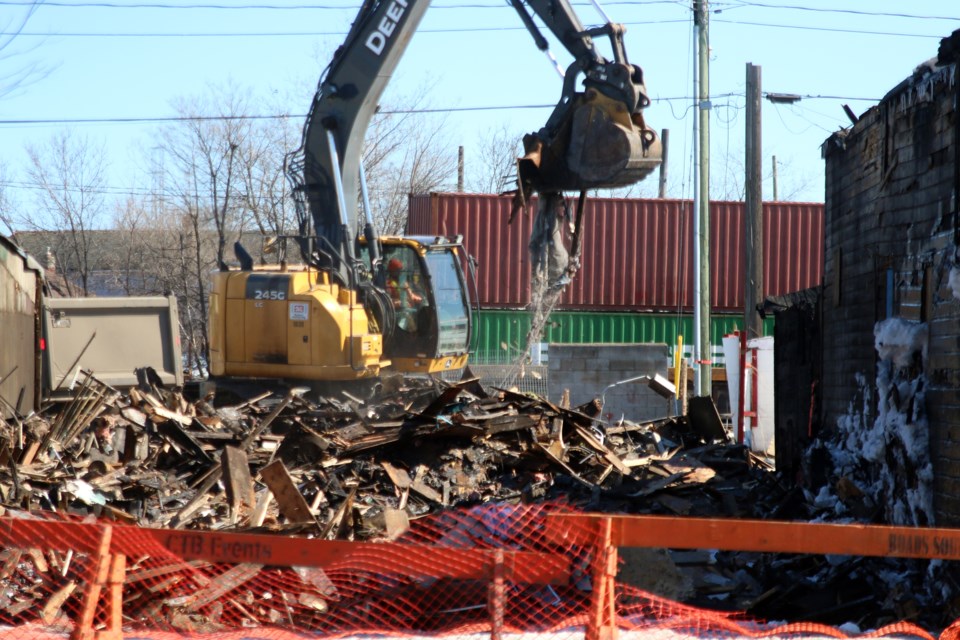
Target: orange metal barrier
764,536
539,570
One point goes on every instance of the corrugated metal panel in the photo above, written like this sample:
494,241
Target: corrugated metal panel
637,254
19,289
500,334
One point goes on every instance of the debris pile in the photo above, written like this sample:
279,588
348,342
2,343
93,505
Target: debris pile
360,469
345,467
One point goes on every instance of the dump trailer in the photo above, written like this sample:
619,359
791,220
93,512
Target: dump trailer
111,337
21,286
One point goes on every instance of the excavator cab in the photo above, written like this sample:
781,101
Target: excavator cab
425,284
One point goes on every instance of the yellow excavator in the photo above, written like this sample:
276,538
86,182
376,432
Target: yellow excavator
356,303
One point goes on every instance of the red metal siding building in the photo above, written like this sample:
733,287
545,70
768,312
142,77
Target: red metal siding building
637,254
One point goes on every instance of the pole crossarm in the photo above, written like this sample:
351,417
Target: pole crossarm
765,536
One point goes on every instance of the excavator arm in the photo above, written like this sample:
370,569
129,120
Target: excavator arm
326,170
593,139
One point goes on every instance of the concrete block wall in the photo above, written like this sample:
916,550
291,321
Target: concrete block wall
586,369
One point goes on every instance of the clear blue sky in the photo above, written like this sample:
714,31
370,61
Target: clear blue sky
121,60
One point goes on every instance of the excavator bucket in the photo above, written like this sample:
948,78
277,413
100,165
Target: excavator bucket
601,145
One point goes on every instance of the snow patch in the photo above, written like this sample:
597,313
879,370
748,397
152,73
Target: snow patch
954,282
877,460
899,340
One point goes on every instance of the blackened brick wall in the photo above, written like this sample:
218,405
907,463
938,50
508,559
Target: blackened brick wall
890,221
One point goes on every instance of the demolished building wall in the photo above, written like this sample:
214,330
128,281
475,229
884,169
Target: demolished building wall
891,231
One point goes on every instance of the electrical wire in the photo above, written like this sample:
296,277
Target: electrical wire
856,12
149,120
269,34
296,7
810,123
300,34
302,7
826,29
16,122
105,190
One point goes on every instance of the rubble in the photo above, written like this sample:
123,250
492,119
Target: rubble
351,468
283,462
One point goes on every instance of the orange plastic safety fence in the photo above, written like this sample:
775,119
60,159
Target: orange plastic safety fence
484,571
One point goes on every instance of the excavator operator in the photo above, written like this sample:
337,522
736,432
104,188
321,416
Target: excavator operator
406,300
399,289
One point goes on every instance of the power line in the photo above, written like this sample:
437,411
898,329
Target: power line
298,7
105,190
295,34
829,29
301,117
272,34
856,12
158,5
149,120
302,7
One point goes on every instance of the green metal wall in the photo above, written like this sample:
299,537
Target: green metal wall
500,335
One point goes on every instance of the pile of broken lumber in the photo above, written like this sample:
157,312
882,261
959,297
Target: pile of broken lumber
342,467
360,469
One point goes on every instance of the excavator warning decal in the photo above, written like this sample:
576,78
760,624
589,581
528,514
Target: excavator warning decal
300,311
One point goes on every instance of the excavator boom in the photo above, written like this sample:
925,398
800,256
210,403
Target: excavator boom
594,138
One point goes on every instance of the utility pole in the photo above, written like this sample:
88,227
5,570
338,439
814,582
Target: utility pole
753,211
701,312
664,144
460,169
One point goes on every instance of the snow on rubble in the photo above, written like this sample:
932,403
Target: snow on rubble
880,449
880,468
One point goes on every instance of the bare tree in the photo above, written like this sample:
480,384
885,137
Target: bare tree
132,262
6,205
16,75
495,168
204,172
266,194
69,173
205,148
791,183
406,152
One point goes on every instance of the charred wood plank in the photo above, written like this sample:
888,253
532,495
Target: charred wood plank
263,424
600,448
293,506
226,582
176,435
237,478
510,423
